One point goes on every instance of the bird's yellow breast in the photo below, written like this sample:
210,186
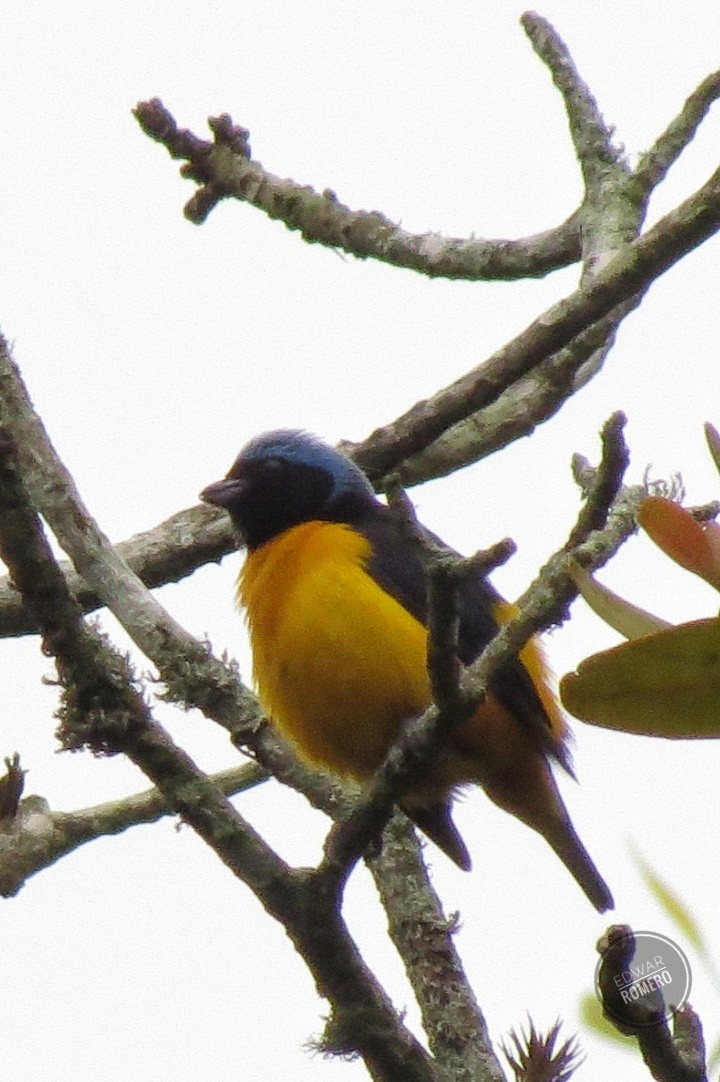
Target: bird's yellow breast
339,664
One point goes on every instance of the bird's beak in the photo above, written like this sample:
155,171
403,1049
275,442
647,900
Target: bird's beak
223,493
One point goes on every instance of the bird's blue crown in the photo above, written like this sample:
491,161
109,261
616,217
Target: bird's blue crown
303,449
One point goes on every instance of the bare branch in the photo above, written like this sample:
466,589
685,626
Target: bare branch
611,215
521,407
102,709
225,170
189,670
456,1029
655,163
39,837
696,219
633,269
591,136
571,325
605,485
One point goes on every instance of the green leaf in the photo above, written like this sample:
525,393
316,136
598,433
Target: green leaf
666,684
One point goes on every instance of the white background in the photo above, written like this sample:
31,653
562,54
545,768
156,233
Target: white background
154,349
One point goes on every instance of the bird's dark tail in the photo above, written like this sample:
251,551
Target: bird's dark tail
562,838
435,821
533,797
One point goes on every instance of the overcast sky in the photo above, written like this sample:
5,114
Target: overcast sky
154,349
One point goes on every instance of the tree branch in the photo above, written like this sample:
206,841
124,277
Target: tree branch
523,405
224,169
572,331
591,136
169,552
104,710
190,672
423,936
670,1057
611,215
38,837
633,269
654,165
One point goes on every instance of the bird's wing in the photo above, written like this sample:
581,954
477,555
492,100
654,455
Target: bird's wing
395,565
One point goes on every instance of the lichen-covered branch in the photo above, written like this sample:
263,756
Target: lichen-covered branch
104,710
388,448
187,667
591,136
224,169
655,163
533,398
423,936
611,215
37,837
632,270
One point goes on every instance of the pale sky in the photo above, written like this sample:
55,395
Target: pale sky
154,349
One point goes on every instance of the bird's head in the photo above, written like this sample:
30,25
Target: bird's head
287,477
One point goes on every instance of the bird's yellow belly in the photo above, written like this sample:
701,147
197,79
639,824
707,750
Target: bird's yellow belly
339,664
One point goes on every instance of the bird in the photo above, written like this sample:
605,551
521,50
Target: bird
334,593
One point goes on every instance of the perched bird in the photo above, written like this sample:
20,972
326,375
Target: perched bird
335,597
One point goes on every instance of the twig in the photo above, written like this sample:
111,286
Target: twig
225,170
654,165
39,837
631,270
605,485
591,136
611,215
670,1057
